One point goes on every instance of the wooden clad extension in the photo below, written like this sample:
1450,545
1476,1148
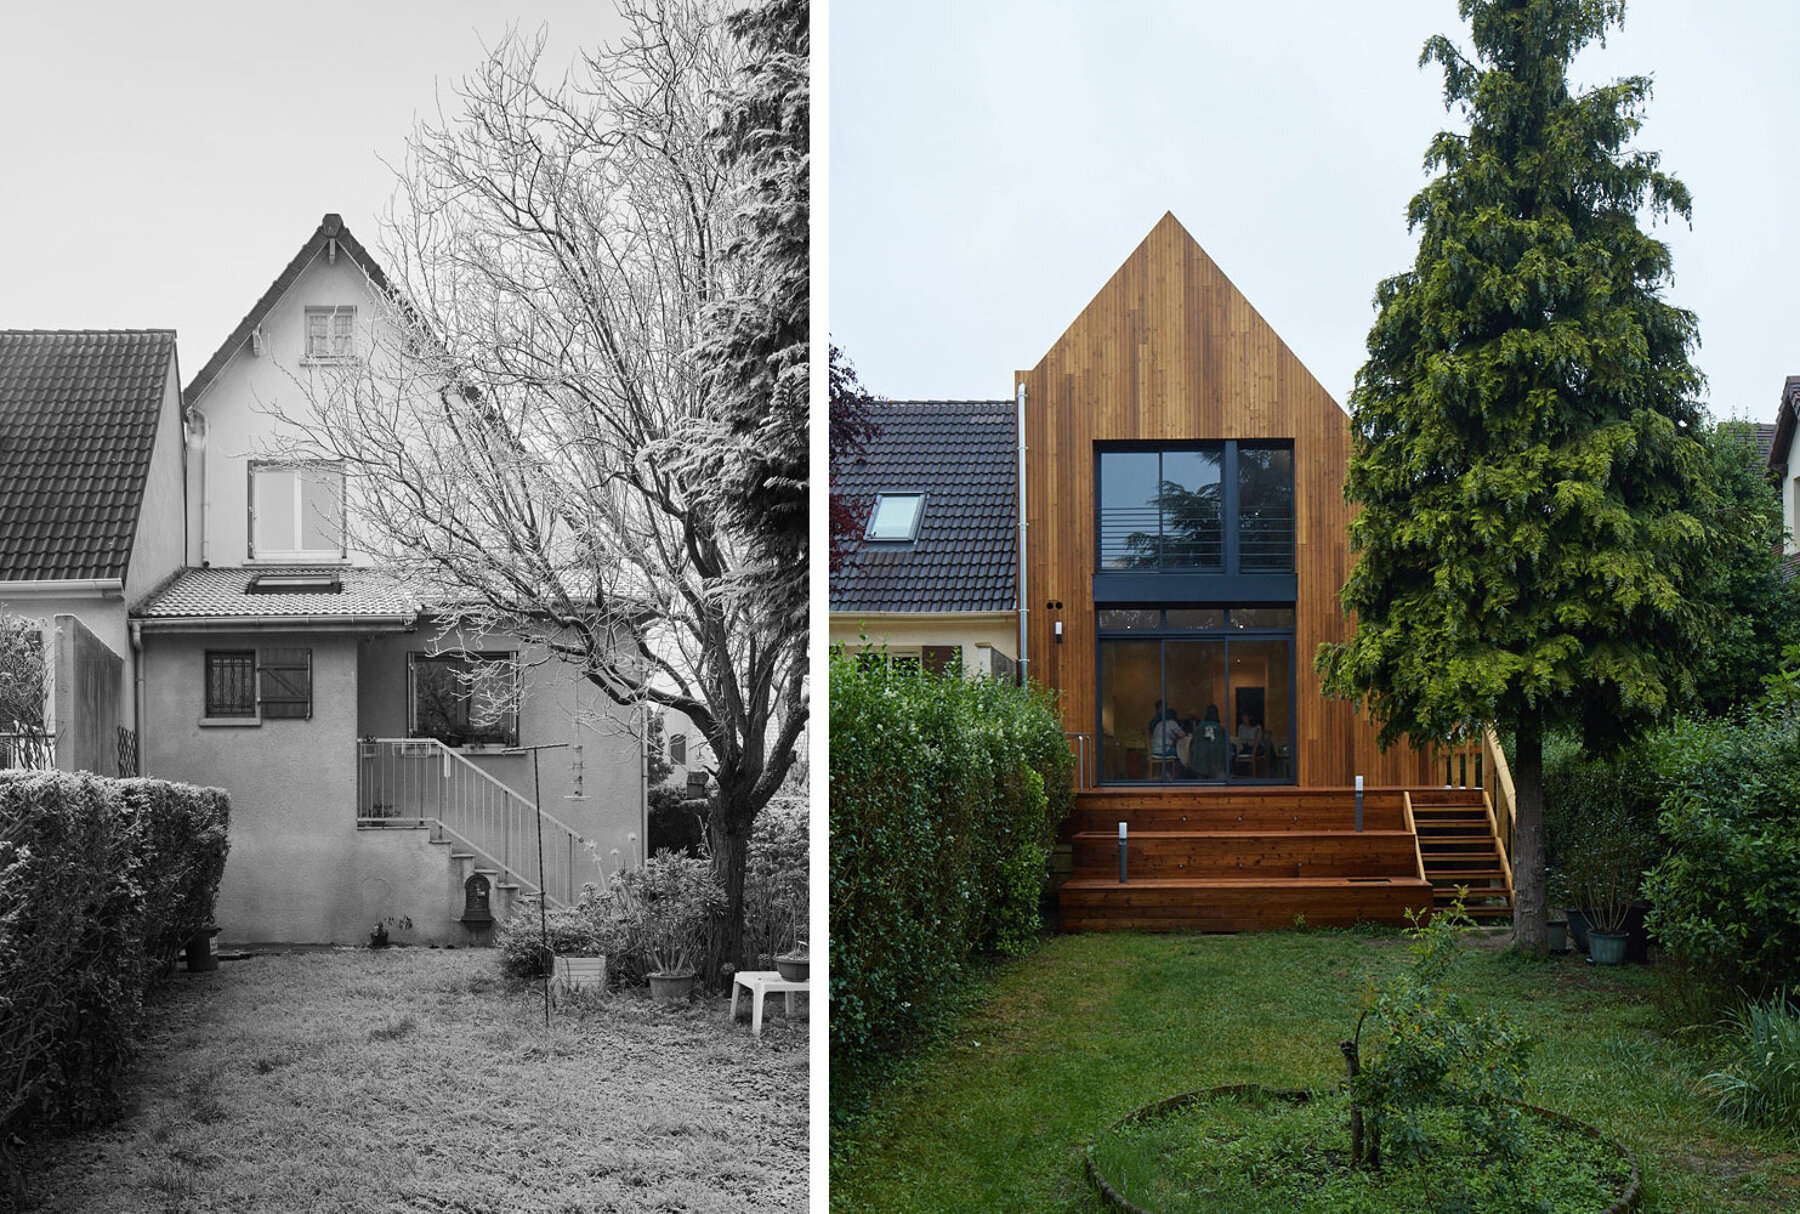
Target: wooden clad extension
1169,350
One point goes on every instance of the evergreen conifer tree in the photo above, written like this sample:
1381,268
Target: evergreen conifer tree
1526,441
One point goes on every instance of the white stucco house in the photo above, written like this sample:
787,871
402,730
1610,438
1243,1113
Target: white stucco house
384,766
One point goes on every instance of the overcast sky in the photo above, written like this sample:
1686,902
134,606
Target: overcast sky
163,162
993,163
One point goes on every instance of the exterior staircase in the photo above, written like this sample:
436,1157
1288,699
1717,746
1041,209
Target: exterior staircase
1460,850
490,830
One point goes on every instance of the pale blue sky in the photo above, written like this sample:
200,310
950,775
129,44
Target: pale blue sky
992,163
163,162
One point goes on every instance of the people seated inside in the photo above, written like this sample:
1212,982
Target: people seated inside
1209,752
1166,733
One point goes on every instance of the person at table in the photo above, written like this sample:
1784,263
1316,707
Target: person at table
1208,752
1165,731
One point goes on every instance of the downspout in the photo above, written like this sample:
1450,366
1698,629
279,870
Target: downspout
137,691
198,428
1024,598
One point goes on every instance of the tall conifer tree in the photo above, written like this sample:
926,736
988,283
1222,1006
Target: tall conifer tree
1526,448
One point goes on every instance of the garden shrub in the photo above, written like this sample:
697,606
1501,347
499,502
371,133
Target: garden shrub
665,906
1725,899
101,884
776,882
1589,799
945,792
1760,1081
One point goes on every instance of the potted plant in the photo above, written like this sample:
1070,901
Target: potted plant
673,979
795,964
1606,862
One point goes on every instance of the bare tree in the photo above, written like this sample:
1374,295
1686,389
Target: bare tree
526,437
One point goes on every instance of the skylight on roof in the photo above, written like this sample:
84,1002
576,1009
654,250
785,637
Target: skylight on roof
896,516
295,583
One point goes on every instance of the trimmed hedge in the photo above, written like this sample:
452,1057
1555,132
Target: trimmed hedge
101,884
945,793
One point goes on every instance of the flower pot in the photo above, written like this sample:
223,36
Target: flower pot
1578,929
574,973
1558,932
1604,948
793,966
669,989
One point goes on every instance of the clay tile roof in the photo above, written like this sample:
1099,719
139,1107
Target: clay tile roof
196,594
330,228
78,417
963,456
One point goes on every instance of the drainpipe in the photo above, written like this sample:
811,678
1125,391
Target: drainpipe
1024,611
141,721
198,428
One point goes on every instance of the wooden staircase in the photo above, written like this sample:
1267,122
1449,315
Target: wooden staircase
1460,849
1228,860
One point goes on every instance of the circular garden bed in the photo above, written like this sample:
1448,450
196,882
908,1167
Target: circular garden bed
1244,1149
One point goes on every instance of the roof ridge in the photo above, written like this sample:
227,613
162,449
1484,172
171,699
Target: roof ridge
89,332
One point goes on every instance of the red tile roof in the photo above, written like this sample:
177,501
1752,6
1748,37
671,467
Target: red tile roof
330,228
78,417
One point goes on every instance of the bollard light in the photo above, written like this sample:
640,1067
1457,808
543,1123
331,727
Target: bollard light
1121,853
1359,805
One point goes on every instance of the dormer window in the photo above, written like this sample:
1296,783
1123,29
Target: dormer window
895,517
330,334
296,512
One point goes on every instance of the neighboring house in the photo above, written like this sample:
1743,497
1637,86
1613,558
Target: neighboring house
91,518
370,747
934,582
1784,463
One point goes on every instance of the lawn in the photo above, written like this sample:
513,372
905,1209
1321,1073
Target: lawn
419,1080
995,1115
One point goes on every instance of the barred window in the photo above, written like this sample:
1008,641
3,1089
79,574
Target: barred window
231,683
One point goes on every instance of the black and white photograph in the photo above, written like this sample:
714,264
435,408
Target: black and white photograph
404,656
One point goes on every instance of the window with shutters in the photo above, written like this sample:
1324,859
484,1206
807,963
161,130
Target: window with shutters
245,686
330,334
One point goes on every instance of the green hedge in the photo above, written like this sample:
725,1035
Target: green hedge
945,793
101,884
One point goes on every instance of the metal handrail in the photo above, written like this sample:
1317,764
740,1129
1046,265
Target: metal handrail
1082,782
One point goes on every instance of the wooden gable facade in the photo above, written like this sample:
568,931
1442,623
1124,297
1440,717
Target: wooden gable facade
1168,353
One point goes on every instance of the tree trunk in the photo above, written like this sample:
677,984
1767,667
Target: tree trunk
1530,925
728,836
1353,1064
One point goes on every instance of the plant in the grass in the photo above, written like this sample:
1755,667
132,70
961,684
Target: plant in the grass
1433,1054
1760,1081
1605,865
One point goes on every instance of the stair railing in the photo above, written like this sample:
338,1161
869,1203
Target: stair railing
422,782
1412,828
1079,742
1500,788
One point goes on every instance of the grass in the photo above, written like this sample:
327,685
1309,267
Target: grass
417,1080
995,1115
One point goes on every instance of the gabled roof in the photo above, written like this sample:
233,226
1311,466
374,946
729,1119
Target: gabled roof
225,594
78,416
963,456
330,228
1785,417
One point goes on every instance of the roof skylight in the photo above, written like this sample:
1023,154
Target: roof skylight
295,583
896,516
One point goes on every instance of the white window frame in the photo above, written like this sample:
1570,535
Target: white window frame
339,335
296,554
509,657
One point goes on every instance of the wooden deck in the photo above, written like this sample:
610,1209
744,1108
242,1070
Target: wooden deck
1229,860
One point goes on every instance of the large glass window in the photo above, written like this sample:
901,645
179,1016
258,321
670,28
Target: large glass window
296,511
1205,507
1161,510
1198,694
466,699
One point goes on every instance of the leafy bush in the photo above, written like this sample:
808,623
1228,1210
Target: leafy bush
677,821
775,880
944,795
1433,1054
101,884
1599,818
1725,900
1761,1080
662,908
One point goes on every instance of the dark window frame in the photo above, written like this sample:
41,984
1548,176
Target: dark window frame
1231,563
242,705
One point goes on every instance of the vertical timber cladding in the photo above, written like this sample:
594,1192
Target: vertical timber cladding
1170,350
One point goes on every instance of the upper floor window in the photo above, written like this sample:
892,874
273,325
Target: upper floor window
330,334
296,511
896,516
1201,507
